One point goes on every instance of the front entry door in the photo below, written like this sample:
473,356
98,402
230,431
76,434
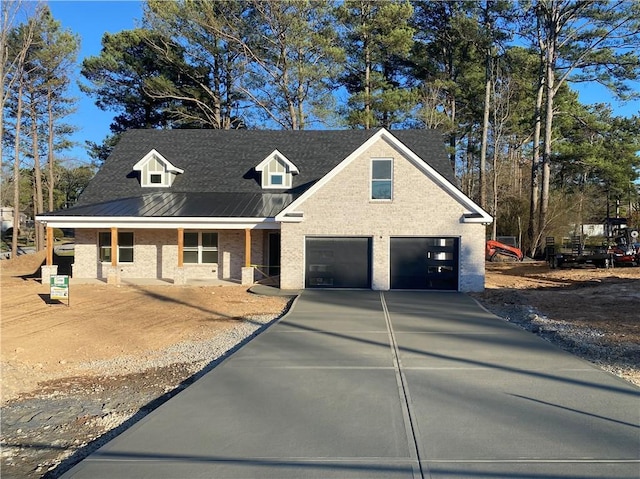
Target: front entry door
273,254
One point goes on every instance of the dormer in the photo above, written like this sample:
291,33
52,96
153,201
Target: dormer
156,171
276,171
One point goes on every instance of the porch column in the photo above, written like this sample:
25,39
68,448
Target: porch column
49,246
180,247
49,269
247,248
113,276
114,247
247,271
179,276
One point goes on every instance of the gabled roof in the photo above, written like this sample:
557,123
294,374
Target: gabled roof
276,154
154,154
474,213
224,161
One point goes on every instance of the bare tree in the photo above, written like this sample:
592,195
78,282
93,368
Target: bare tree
15,42
10,59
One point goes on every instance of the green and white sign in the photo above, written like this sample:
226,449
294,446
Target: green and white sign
59,287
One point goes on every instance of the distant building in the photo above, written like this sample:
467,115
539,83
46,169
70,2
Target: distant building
6,213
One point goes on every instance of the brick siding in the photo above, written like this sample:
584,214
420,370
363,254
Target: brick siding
156,255
420,207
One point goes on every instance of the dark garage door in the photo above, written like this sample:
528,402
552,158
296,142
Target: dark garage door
338,263
424,263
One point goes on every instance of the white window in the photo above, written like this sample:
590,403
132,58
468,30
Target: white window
200,247
381,178
125,247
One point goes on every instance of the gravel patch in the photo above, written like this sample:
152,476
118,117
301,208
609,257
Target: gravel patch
198,352
619,358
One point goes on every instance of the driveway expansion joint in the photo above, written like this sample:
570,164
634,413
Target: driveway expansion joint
410,426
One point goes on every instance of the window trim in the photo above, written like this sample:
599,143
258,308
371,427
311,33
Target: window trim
283,177
150,176
372,180
200,249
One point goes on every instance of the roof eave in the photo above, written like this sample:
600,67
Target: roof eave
136,222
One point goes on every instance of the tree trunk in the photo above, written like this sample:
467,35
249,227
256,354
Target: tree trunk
38,206
3,55
300,104
482,182
494,230
367,84
469,168
532,230
51,153
16,176
217,107
548,136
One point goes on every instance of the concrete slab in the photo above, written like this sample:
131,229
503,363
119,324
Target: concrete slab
507,350
193,467
344,419
367,321
320,395
324,303
433,312
289,346
532,470
296,413
492,415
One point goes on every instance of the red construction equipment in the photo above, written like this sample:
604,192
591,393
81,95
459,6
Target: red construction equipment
495,249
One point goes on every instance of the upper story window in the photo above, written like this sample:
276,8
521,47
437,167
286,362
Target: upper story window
156,171
156,178
276,179
277,171
382,178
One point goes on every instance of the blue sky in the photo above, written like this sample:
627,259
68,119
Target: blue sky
90,19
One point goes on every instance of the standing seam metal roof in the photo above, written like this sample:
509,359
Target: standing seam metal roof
168,204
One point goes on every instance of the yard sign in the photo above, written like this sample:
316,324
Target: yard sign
59,288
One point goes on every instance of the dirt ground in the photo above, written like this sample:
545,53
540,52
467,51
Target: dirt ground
50,399
41,341
607,300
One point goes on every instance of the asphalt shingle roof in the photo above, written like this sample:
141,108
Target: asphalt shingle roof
219,178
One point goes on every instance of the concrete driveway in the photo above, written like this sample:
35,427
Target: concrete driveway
363,384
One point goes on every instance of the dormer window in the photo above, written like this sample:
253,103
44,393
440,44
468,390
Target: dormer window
277,171
156,171
155,178
276,179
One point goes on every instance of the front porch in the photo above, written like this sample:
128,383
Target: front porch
181,256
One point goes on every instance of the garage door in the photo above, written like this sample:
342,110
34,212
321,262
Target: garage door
338,263
424,263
